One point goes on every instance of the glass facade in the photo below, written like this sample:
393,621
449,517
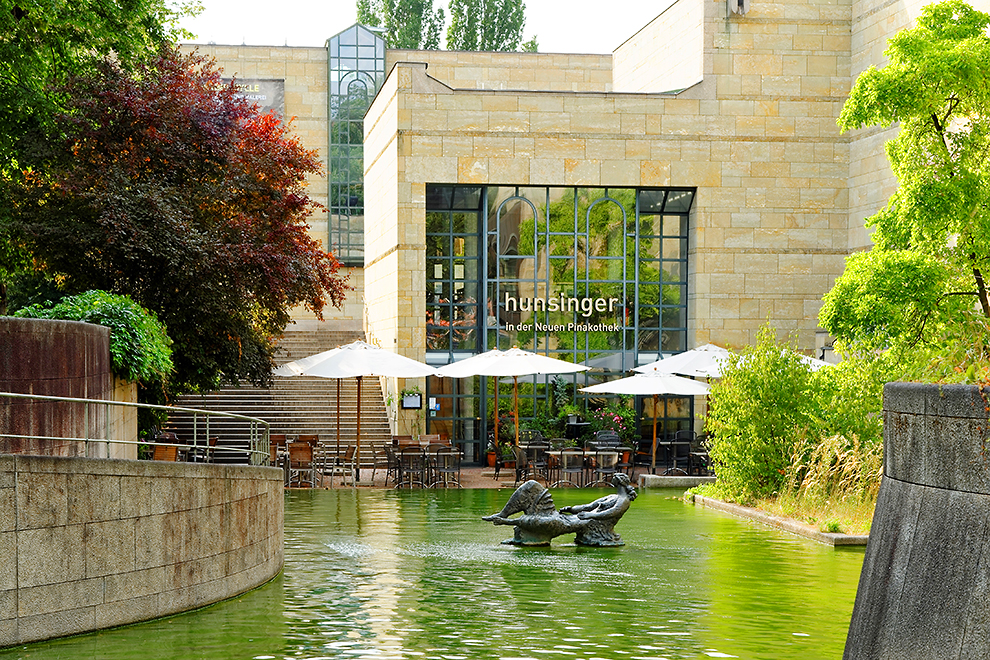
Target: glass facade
596,276
355,70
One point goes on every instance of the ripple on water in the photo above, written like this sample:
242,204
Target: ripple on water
376,574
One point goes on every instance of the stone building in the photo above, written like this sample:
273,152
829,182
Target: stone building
685,189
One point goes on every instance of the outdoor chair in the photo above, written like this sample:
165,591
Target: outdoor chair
311,439
606,439
522,464
379,460
571,471
343,465
446,468
539,464
626,461
529,436
393,470
302,468
604,467
412,467
678,458
163,453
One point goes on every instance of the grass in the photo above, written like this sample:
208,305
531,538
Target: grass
832,484
849,516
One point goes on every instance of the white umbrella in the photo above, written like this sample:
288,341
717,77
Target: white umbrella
707,361
514,362
356,360
652,382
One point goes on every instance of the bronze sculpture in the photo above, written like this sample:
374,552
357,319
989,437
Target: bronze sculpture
593,523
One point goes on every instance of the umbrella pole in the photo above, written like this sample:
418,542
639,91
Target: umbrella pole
515,394
496,417
653,458
357,447
338,417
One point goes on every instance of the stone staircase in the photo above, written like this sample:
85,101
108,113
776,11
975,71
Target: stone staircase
293,406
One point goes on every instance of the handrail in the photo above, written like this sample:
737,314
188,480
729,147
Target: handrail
258,438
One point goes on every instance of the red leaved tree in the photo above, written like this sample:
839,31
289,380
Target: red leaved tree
166,186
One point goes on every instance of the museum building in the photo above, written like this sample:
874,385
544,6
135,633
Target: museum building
603,209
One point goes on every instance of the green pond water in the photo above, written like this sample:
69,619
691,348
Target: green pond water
417,574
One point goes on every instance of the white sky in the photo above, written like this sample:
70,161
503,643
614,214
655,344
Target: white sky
561,26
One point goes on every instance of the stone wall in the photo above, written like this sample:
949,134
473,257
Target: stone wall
93,543
63,359
556,72
667,55
53,358
925,587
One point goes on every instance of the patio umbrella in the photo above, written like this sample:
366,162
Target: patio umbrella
356,360
709,361
514,362
653,382
705,361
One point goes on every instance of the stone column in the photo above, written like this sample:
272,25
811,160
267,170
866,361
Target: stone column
925,587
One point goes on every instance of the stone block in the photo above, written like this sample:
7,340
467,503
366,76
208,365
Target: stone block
8,568
93,497
56,624
8,509
32,601
109,547
42,500
116,612
49,555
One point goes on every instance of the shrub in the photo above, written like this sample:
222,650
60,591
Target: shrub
619,418
778,429
755,414
140,348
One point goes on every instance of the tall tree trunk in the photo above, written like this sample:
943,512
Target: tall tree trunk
981,291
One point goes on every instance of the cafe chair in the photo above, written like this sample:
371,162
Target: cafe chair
678,458
539,462
446,468
412,467
522,464
571,471
393,470
606,439
302,467
163,453
604,467
379,460
626,462
343,465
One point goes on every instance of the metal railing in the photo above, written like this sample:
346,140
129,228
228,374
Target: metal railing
258,429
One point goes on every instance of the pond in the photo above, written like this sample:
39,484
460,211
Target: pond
417,574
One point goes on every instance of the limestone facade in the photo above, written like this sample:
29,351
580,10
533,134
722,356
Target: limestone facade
742,107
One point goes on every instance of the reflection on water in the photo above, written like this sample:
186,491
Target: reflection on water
417,574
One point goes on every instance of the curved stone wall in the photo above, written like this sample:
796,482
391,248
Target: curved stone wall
925,587
94,543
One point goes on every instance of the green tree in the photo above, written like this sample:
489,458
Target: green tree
925,272
489,25
42,43
169,188
406,23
